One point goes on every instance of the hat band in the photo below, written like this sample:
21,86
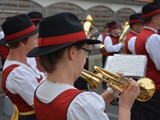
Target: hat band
62,39
36,19
114,26
20,34
134,21
151,13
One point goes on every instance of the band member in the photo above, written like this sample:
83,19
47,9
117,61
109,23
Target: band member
35,17
148,43
111,42
19,78
62,53
136,24
101,37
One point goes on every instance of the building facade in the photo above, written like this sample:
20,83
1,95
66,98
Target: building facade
102,11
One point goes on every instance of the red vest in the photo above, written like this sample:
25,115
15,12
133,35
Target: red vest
4,50
114,41
128,37
56,109
151,71
15,98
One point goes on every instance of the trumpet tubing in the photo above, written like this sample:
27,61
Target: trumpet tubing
125,30
119,83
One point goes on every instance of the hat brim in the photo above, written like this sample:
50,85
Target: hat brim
40,51
3,41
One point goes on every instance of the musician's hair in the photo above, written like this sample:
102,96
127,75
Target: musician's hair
17,44
48,62
146,21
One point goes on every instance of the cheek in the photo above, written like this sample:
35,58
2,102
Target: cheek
34,43
81,62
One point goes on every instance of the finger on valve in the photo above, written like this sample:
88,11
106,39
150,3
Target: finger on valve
128,97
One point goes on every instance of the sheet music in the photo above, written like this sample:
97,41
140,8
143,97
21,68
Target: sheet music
129,65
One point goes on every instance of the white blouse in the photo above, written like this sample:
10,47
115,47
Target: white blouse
85,106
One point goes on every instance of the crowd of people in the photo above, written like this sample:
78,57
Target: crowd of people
43,61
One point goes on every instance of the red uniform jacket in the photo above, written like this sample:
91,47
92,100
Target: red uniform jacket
4,50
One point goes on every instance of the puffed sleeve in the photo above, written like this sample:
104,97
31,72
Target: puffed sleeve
87,106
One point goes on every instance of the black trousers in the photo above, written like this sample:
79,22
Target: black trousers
103,63
103,60
149,110
27,117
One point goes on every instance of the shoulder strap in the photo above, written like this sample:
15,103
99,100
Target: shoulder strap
5,74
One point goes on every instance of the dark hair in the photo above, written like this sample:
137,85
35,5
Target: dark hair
148,20
48,62
17,44
131,25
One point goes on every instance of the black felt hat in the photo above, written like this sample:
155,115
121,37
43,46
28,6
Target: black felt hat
106,26
112,25
59,31
35,16
150,10
135,18
17,28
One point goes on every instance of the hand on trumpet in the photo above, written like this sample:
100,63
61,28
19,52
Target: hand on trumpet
115,93
127,99
122,50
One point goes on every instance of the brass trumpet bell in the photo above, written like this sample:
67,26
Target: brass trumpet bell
101,46
147,89
119,83
88,24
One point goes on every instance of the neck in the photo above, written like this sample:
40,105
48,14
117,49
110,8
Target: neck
133,31
151,25
114,35
62,74
17,55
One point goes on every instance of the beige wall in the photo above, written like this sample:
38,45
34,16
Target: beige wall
102,12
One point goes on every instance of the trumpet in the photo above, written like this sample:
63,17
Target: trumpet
123,34
119,83
89,26
124,31
101,46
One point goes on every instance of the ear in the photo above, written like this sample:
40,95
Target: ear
71,52
21,44
154,19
